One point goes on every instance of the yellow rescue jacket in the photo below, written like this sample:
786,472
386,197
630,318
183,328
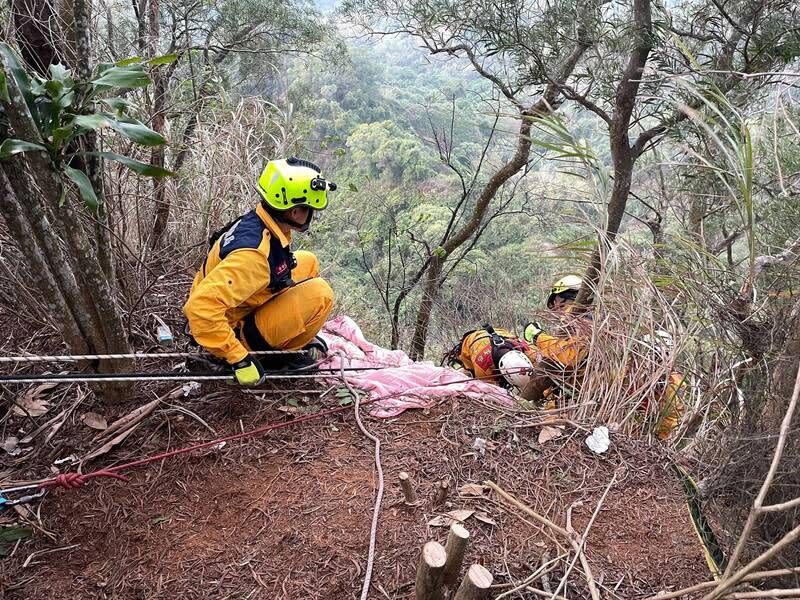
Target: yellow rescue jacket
246,266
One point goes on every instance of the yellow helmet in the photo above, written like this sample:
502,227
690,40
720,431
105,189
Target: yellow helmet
570,283
285,184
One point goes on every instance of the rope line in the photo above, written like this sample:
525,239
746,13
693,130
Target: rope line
131,355
75,480
71,481
168,376
373,533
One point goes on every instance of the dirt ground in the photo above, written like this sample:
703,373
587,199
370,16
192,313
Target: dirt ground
287,515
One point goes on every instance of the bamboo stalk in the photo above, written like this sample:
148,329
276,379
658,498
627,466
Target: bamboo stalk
429,572
475,585
456,546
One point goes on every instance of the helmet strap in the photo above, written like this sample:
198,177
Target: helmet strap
281,216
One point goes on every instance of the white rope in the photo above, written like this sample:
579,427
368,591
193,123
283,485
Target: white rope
132,355
178,377
373,534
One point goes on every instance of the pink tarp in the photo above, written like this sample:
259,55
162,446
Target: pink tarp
403,383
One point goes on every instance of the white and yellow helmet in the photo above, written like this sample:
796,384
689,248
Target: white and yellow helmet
569,283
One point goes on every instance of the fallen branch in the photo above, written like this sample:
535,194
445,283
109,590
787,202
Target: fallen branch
125,426
710,584
578,542
527,510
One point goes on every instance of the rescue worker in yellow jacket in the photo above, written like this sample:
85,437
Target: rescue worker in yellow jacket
252,292
568,349
496,356
563,355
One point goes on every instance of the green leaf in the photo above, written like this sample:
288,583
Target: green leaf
126,62
162,60
352,187
66,100
59,73
123,77
139,167
17,72
84,186
10,147
120,105
91,121
14,533
137,132
53,88
3,87
62,133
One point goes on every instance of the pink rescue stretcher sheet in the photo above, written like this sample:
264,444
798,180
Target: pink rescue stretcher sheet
401,383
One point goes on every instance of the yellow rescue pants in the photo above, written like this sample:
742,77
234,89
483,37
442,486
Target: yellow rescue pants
292,317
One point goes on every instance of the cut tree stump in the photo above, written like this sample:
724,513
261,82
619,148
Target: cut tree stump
429,572
408,487
455,548
475,585
441,492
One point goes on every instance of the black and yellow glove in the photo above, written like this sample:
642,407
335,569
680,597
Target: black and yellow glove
248,372
531,332
316,349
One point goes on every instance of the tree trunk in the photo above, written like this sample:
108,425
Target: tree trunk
158,124
94,164
47,243
36,34
96,293
430,291
38,268
622,154
696,215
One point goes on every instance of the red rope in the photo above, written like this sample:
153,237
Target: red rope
71,481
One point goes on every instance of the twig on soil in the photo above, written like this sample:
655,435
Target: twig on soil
575,540
195,416
544,594
710,584
578,542
373,534
542,571
60,417
43,552
779,593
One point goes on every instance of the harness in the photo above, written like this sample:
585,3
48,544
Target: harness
500,346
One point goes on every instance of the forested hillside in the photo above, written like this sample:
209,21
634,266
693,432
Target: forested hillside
466,158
